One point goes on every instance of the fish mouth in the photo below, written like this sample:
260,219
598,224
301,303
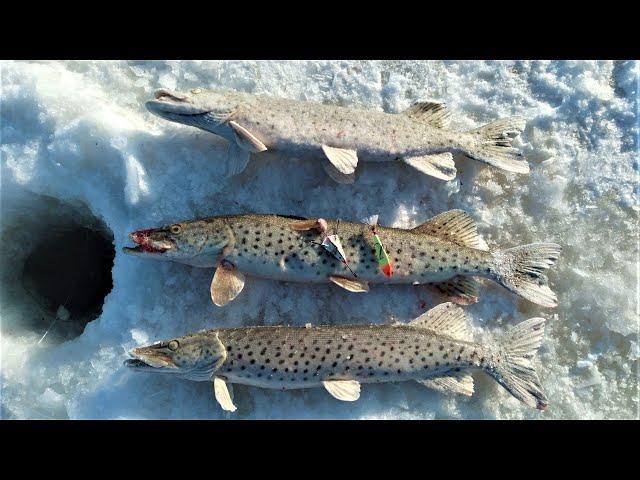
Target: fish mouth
149,359
136,363
145,244
168,103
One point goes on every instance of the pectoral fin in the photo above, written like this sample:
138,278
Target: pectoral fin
345,390
344,160
237,159
335,174
227,283
223,394
319,224
440,165
351,284
246,139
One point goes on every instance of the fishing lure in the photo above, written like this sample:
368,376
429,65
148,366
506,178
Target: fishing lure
382,256
333,245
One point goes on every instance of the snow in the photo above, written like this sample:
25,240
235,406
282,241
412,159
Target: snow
76,137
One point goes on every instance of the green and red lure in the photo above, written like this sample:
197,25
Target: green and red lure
384,262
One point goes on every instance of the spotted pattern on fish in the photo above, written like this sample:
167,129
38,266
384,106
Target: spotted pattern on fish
266,246
418,137
294,357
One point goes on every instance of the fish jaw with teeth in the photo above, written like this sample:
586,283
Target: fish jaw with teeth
147,243
167,102
197,243
194,357
197,108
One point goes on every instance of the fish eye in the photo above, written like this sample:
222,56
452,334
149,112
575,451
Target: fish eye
173,345
176,229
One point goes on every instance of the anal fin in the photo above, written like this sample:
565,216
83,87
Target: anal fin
455,382
439,165
459,289
351,284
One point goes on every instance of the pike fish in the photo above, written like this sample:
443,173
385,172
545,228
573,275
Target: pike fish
446,251
436,350
337,135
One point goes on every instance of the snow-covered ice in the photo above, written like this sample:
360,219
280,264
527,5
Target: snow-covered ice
77,144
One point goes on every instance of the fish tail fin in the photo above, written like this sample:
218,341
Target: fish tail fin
520,269
492,144
512,367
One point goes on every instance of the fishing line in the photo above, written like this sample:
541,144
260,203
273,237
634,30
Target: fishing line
334,253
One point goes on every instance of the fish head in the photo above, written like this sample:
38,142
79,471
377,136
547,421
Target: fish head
199,243
205,109
195,357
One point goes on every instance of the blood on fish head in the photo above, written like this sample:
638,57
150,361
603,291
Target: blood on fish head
150,241
197,242
144,239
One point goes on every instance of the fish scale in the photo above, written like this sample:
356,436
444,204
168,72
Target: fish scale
267,246
295,357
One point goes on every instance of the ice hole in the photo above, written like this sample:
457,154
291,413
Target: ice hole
60,258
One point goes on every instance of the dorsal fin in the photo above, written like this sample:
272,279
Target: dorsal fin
455,226
433,113
445,319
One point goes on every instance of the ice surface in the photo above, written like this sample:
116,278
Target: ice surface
78,132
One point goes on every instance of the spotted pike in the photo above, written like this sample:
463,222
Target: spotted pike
436,350
445,250
339,136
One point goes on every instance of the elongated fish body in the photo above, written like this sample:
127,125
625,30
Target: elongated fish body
445,250
338,135
436,349
294,357
267,247
301,128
